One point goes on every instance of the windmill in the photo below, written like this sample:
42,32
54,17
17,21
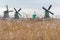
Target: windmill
6,13
34,15
47,12
16,16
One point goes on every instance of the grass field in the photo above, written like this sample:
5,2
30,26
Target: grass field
30,30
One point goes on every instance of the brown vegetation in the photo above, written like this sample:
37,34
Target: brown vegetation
29,30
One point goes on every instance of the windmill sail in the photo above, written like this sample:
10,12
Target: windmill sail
15,9
48,10
7,7
19,9
49,7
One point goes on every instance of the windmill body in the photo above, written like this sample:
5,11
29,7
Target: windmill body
47,14
34,15
16,15
6,14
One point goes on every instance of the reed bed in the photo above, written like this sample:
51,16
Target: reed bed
29,30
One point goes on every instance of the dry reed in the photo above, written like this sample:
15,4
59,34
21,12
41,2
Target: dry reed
29,30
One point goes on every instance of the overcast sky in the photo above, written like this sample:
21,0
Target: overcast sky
29,3
33,4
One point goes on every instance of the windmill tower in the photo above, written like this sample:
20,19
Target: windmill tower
47,12
17,14
6,13
34,15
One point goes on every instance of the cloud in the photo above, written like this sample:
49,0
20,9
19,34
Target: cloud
30,11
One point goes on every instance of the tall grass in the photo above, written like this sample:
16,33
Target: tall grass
29,30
